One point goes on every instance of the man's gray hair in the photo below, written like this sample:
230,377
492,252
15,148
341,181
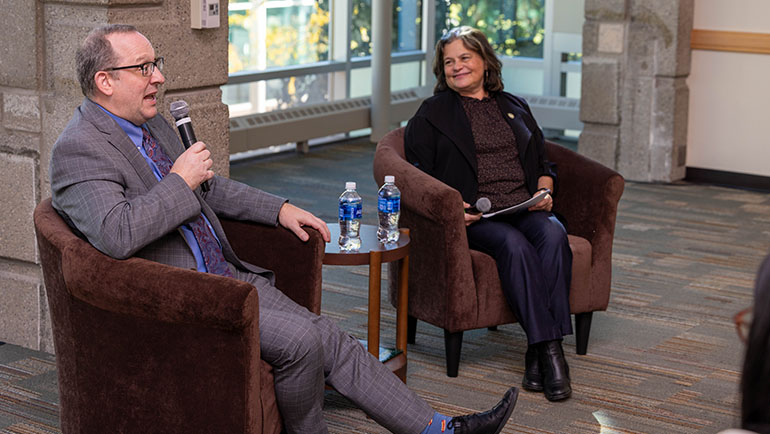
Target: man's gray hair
95,54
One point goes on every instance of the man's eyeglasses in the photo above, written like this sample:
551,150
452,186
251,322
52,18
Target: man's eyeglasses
147,68
743,323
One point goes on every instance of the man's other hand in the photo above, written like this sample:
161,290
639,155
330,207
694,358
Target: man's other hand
294,218
194,165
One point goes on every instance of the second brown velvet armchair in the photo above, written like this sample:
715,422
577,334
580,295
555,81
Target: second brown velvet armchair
456,288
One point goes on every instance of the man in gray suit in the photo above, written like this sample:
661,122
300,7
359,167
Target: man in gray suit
120,176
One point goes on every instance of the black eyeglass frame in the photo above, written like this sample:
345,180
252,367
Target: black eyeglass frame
146,66
742,322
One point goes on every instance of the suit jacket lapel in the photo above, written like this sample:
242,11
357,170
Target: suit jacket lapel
169,141
514,115
116,137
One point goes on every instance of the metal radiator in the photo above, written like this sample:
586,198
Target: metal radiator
299,124
555,112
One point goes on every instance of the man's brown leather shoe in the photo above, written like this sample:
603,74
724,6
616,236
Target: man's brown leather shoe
489,422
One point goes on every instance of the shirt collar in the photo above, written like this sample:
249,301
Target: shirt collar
134,133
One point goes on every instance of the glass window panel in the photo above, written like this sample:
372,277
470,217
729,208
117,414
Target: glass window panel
572,57
519,80
402,76
265,33
236,96
570,80
276,94
515,28
405,75
572,84
407,25
360,82
406,33
282,93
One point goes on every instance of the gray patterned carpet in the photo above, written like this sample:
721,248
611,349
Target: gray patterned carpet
664,358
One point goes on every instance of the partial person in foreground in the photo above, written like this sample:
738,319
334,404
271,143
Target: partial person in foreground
485,143
755,379
121,177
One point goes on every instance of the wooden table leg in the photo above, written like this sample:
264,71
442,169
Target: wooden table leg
375,274
403,303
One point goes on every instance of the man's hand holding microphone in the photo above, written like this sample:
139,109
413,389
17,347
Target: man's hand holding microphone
194,164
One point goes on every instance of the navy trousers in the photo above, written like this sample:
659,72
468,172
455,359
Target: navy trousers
534,261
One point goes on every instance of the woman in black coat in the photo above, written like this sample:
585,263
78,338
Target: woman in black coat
485,143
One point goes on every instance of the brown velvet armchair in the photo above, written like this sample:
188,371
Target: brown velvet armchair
145,347
456,288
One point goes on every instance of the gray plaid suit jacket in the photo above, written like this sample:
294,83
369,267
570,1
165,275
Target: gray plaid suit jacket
103,186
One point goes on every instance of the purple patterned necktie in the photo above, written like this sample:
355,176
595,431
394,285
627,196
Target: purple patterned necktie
212,252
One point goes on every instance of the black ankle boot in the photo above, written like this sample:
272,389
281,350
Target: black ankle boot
533,378
553,365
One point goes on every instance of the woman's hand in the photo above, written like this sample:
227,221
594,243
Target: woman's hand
544,205
470,218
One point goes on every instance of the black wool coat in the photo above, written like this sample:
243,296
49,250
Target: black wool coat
439,141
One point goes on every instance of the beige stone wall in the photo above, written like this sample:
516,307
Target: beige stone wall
38,93
634,95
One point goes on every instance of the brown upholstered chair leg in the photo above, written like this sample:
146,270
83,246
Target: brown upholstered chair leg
582,331
411,329
453,343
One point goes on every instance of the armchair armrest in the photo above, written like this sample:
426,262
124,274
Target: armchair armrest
588,198
588,193
297,265
421,193
183,296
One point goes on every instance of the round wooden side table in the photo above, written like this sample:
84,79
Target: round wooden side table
375,253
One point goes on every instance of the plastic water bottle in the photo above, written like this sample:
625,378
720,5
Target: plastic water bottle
388,210
350,218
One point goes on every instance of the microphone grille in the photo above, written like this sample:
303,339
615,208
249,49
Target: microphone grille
483,204
179,109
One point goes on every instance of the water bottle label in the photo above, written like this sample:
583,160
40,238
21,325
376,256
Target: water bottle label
349,212
388,205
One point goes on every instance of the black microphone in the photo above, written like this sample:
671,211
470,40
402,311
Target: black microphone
181,113
482,205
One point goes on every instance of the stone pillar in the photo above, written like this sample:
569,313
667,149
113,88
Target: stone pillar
39,92
634,97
